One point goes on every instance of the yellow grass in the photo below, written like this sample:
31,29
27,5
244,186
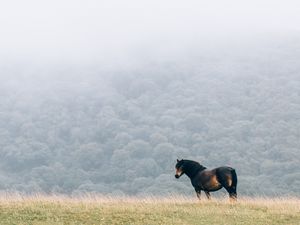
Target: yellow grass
95,209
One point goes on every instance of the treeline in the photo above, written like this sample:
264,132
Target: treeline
85,130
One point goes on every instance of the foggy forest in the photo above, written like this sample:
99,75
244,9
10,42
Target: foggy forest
105,97
85,129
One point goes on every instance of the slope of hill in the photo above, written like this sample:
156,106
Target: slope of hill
176,210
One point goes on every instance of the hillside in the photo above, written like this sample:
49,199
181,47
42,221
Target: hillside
76,129
176,210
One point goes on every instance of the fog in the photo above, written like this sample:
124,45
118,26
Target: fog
104,96
118,33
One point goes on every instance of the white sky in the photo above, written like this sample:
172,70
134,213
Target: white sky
91,30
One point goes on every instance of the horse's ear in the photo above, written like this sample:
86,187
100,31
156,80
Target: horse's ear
177,160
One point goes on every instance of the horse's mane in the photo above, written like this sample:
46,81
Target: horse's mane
191,168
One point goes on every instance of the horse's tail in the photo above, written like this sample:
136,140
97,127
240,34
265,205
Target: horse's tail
233,186
234,179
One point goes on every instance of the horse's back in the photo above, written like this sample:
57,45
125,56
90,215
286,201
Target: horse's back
224,169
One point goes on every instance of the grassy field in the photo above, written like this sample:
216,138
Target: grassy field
28,210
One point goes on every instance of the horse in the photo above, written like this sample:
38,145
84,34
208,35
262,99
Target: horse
206,180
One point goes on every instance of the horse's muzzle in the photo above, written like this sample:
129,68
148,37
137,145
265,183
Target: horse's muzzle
177,176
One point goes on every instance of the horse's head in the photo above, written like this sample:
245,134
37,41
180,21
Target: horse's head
179,168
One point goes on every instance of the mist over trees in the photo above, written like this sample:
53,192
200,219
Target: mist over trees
72,129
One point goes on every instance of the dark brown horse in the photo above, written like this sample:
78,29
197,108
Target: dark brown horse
208,180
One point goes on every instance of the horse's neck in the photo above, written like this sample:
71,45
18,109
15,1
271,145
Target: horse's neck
193,171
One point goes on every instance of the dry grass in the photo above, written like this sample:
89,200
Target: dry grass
95,209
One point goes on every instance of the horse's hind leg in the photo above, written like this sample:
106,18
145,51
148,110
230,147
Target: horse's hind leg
232,193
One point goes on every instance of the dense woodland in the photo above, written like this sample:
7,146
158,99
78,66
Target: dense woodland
76,129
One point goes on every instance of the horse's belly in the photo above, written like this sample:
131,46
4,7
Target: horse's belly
212,185
214,188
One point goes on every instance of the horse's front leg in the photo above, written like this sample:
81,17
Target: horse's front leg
198,192
207,195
